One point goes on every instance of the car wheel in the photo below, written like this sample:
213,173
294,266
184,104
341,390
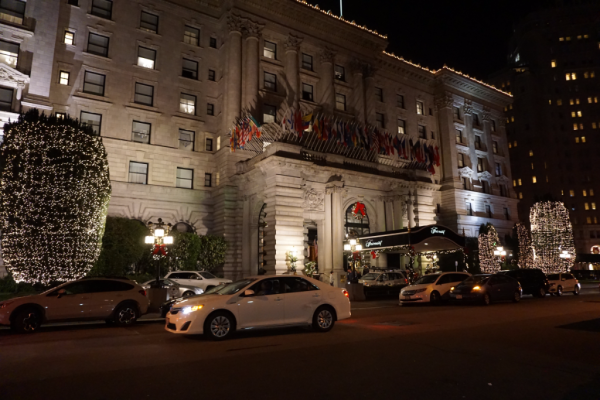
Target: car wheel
541,292
28,320
486,299
576,291
126,314
434,297
517,297
219,326
188,293
559,291
323,319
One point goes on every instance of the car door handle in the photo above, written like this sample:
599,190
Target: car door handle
315,295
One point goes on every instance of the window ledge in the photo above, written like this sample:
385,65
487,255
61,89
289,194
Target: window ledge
21,29
193,46
309,73
146,69
85,53
92,16
190,79
185,116
88,96
141,107
267,92
271,61
158,35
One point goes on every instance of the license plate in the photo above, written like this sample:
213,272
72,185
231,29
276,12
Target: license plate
459,296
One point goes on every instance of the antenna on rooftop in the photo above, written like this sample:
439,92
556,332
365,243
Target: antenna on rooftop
341,9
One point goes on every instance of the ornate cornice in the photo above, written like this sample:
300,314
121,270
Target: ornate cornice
327,55
445,100
293,42
251,28
235,23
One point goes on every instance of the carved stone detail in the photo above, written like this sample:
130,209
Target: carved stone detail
444,101
251,28
11,76
468,107
293,42
466,172
484,175
235,23
327,55
487,114
314,200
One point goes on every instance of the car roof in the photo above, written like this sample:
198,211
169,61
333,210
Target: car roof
121,278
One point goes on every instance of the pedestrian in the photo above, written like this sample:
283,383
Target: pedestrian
349,276
366,270
331,278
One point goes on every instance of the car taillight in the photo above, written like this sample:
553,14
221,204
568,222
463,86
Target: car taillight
346,293
143,292
405,280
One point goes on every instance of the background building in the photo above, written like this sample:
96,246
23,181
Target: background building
163,82
553,125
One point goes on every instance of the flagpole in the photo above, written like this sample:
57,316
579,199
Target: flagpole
341,9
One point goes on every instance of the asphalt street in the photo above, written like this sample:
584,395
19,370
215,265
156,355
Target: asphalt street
537,349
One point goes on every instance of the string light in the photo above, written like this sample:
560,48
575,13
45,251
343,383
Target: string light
525,247
487,244
551,236
55,190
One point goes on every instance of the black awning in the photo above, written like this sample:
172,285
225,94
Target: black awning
423,238
588,258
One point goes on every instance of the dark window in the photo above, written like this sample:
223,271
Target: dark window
485,187
185,178
213,42
186,139
506,214
379,94
294,285
488,211
400,100
93,120
355,226
149,22
138,172
422,132
141,132
475,119
210,109
189,69
12,11
340,73
493,125
269,113
401,126
102,8
144,94
307,62
94,83
307,92
191,36
270,50
267,287
146,57
76,288
503,191
465,184
108,286
478,142
498,169
187,104
207,180
209,144
98,45
457,113
340,102
270,81
6,98
469,207
212,75
495,147
380,120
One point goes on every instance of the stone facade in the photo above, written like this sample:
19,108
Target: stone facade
176,67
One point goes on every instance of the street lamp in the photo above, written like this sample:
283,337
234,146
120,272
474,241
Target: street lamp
565,255
500,252
352,246
159,240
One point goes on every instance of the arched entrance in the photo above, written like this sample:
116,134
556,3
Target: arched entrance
355,226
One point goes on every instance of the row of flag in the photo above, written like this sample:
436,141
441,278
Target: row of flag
345,133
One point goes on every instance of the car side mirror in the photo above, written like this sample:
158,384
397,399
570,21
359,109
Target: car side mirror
249,293
61,293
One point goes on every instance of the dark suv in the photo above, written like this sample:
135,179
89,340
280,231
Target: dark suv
533,281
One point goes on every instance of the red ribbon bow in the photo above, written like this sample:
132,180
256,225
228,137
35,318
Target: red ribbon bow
359,208
373,255
159,248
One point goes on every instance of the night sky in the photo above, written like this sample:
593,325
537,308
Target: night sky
468,35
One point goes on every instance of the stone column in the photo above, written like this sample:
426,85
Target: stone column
291,69
470,135
449,157
398,212
381,224
234,70
369,74
326,239
336,189
410,211
358,94
246,237
326,88
251,32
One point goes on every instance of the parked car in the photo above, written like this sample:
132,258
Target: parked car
260,302
432,288
202,279
175,289
383,279
533,281
563,282
116,300
487,288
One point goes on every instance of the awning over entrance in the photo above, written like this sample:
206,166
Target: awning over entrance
423,238
588,258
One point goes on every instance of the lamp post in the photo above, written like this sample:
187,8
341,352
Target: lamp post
352,246
500,252
159,239
566,256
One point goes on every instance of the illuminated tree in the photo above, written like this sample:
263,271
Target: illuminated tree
551,235
488,241
525,247
55,189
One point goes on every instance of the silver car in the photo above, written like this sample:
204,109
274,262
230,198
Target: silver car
175,289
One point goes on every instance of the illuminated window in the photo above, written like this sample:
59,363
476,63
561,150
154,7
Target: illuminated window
592,74
461,160
509,145
580,126
595,99
146,57
530,153
575,127
587,206
586,36
591,192
589,220
191,36
562,192
559,102
64,77
520,195
595,220
562,39
568,38
533,179
576,140
593,206
589,100
576,101
550,101
515,144
514,183
512,119
420,108
69,37
553,63
532,166
584,193
579,114
568,77
187,103
594,125
583,139
571,101
270,50
572,193
547,180
520,182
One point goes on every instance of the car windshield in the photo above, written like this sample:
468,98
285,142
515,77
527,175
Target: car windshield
215,289
234,287
207,275
370,276
554,277
475,280
427,279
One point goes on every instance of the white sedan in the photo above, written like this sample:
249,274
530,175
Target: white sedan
432,288
260,302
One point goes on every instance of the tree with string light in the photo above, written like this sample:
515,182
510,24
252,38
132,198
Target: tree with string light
488,241
525,247
55,189
551,237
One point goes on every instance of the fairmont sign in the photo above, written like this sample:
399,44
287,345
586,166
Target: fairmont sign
416,237
371,243
437,230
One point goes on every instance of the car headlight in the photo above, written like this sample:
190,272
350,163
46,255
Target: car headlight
199,290
476,289
452,289
420,290
187,310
